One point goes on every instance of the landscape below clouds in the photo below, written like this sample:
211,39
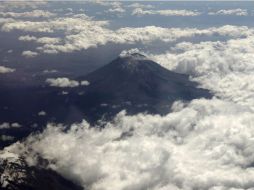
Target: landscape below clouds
201,143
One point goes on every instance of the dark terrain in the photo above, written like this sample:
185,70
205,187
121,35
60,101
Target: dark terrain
133,83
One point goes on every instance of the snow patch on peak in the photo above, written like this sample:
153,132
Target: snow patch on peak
133,53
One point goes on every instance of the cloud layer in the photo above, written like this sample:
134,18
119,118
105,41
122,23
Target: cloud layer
169,12
206,144
79,31
226,68
203,144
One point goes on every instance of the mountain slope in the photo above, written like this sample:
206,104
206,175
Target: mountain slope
15,174
132,83
137,84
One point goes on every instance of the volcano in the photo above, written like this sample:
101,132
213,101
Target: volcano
131,82
136,84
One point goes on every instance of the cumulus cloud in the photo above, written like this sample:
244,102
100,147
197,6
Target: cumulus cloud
42,113
50,71
32,14
140,11
6,138
226,68
27,38
126,53
21,4
236,12
206,144
78,33
62,82
9,125
139,5
84,83
4,69
29,54
116,10
116,7
42,40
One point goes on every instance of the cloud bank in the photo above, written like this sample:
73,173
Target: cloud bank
79,33
32,14
140,11
207,144
226,68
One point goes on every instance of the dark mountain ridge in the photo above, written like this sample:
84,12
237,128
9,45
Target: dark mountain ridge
131,82
137,81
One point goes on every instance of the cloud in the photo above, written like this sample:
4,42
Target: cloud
50,71
9,125
4,69
139,5
27,38
21,4
236,12
126,53
32,14
116,10
226,68
78,33
42,40
206,144
84,83
140,11
116,7
29,54
62,82
42,113
6,138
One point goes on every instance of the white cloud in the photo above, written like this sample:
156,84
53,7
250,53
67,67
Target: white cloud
62,82
21,4
32,14
6,138
126,53
4,69
116,10
27,38
237,12
42,40
116,7
84,83
9,125
29,54
79,33
140,11
139,5
50,71
226,68
206,144
42,113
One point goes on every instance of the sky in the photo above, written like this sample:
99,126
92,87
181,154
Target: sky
202,144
